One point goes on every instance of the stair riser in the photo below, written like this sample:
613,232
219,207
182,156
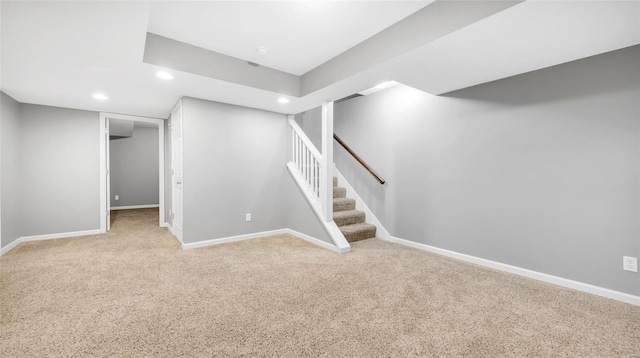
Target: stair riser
360,235
344,205
350,220
351,224
339,192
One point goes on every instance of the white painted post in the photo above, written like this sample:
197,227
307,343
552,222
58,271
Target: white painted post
326,175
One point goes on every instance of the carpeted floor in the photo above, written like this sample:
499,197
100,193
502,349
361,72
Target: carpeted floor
135,293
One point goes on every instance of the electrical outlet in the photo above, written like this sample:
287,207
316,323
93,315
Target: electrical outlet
117,197
630,263
248,217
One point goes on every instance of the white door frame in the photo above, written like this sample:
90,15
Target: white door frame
103,163
107,138
177,176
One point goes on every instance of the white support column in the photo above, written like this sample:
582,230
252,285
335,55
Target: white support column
326,175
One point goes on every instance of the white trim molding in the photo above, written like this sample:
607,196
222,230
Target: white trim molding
136,207
61,235
104,116
225,240
576,285
313,240
257,235
192,245
170,228
9,247
103,173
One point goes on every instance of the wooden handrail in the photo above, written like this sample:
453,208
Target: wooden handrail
357,157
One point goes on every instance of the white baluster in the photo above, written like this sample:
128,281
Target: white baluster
313,176
312,184
295,149
299,155
318,180
293,145
306,165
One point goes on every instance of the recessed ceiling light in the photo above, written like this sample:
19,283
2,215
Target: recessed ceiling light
100,96
164,75
378,87
263,50
283,100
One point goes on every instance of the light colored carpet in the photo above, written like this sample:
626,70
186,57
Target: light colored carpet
134,293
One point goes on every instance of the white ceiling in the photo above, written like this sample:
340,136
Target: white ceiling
60,53
564,31
299,35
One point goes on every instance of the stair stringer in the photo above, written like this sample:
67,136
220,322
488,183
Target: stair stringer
340,242
381,232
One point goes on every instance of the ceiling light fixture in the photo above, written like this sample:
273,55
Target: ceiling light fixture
100,96
283,100
263,51
164,75
378,87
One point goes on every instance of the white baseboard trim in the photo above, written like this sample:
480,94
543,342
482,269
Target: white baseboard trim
313,240
257,235
170,228
225,240
576,285
11,245
61,235
134,207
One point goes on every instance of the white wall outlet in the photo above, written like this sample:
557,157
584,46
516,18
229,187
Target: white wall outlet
630,263
117,197
247,217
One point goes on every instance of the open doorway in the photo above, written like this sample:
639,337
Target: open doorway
129,172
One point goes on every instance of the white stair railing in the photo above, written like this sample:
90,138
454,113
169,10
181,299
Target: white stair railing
313,172
306,159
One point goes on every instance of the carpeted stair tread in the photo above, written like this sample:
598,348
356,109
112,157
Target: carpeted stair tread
342,204
350,221
357,232
348,217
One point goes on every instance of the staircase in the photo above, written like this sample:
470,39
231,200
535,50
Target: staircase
351,222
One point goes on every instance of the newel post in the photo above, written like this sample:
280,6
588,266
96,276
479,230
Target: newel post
326,175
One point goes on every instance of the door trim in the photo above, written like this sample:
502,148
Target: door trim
103,162
177,230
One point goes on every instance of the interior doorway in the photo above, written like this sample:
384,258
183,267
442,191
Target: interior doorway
105,170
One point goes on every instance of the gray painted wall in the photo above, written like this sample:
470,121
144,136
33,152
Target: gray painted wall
10,168
300,214
59,151
134,168
312,126
120,128
540,171
234,163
